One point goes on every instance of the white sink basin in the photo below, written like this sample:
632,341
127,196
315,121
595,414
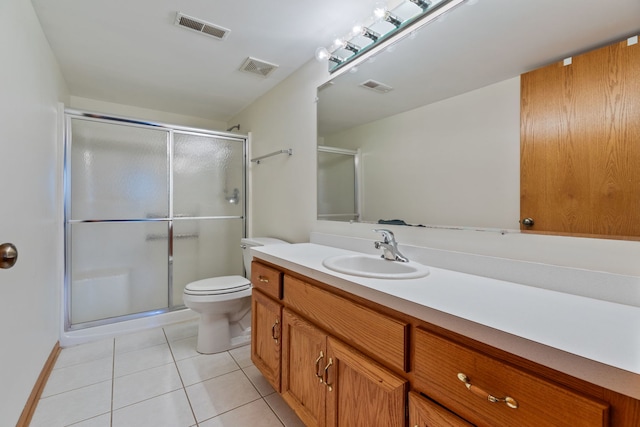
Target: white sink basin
375,266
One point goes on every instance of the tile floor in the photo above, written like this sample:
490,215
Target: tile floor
156,378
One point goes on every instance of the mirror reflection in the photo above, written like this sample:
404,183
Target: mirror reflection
436,121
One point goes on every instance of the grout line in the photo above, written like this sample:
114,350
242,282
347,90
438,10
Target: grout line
113,381
180,376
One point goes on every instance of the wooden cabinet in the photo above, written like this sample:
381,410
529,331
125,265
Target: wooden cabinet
580,157
266,322
328,383
492,393
426,413
340,360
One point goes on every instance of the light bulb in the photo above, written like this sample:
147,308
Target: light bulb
322,54
380,10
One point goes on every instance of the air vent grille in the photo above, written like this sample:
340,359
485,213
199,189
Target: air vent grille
200,26
257,66
376,86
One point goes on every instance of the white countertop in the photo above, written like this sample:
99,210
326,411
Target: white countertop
532,322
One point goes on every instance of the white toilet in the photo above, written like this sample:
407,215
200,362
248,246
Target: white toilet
224,304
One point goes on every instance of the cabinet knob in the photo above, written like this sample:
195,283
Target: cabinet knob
8,255
527,222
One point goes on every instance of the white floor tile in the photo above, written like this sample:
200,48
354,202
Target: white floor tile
205,366
78,375
184,348
242,355
259,381
84,353
253,414
140,340
181,330
144,385
99,421
73,406
283,411
221,394
168,410
139,360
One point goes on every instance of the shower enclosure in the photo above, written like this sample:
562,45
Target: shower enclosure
148,209
338,184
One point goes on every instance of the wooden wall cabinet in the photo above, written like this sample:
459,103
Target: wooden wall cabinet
580,145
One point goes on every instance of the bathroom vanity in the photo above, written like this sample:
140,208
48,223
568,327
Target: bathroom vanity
352,351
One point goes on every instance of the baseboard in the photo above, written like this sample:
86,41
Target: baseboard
32,402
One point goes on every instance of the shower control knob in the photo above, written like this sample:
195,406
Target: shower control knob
528,222
8,255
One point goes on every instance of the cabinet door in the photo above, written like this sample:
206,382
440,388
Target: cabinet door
360,392
303,362
266,319
425,413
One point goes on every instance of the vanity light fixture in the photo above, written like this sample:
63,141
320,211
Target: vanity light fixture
409,13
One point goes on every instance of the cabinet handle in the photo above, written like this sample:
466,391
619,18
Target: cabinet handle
326,375
318,366
509,401
273,331
263,279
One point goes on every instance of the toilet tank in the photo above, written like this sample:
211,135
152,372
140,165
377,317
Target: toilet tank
248,242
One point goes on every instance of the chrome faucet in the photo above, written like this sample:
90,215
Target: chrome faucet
389,246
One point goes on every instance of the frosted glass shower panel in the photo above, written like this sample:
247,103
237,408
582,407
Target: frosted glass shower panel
205,248
118,172
118,269
207,176
337,186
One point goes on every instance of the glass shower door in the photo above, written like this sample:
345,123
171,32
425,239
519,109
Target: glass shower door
208,208
117,220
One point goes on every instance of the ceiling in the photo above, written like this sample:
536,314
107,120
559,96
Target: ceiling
130,52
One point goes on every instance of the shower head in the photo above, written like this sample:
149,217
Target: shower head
234,127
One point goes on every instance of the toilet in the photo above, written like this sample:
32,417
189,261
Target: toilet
224,304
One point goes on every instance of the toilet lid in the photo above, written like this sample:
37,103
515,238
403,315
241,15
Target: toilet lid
218,285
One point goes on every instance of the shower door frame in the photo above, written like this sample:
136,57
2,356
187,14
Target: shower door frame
70,114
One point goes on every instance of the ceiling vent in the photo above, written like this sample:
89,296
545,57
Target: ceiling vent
376,86
200,26
257,66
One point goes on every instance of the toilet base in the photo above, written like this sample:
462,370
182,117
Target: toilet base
216,334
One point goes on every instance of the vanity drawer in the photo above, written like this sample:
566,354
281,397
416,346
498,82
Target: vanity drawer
425,413
440,362
379,336
267,279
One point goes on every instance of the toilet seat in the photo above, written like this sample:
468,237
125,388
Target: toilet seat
218,286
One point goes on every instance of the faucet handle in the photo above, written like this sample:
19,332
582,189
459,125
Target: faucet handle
387,235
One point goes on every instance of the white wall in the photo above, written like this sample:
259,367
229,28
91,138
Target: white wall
284,190
30,86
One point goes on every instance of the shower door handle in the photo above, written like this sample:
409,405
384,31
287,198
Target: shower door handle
8,255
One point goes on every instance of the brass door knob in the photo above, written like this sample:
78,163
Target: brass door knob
8,255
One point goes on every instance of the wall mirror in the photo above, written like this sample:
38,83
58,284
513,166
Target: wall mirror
435,118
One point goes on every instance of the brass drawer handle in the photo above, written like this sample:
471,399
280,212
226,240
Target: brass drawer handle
318,366
273,331
326,375
509,401
263,279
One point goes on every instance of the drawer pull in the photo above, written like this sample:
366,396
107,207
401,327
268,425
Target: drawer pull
263,279
326,375
318,366
509,401
273,331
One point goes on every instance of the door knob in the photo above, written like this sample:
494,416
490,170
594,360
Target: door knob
527,222
8,255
